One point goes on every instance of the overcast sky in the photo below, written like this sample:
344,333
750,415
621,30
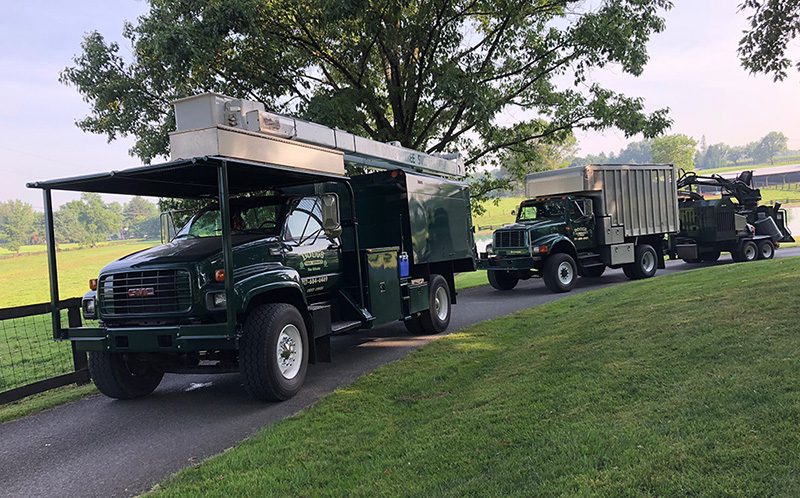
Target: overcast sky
693,70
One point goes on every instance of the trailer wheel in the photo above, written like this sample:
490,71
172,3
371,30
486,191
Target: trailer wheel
436,318
273,352
502,280
645,262
747,252
766,250
710,257
121,376
559,272
592,271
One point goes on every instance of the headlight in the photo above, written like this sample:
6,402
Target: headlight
216,300
540,250
88,306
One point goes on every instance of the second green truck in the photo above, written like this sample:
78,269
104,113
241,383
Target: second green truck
580,221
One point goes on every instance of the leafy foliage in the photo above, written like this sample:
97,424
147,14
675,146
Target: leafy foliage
87,221
773,25
434,75
17,220
674,149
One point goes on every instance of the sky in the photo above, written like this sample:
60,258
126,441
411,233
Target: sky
693,70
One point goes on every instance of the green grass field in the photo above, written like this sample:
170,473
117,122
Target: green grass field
682,385
24,279
744,167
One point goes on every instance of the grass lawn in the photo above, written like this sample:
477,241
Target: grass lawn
44,401
496,216
24,279
682,385
472,279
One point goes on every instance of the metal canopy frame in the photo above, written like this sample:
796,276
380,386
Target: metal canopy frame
197,178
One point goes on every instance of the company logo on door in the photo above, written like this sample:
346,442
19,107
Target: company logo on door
141,292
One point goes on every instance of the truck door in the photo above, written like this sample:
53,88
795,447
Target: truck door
314,255
582,221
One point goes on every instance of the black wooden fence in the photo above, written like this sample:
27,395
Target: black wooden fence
30,361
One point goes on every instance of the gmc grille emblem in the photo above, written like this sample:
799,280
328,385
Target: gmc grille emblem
141,292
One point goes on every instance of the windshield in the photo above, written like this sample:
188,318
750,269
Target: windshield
258,219
552,209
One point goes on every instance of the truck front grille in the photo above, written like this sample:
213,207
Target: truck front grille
509,238
145,292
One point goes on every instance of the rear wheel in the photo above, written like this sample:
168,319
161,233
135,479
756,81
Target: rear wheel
710,257
645,262
592,271
436,318
747,252
273,352
559,272
502,280
766,250
123,376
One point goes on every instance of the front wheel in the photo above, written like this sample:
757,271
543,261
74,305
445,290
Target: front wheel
436,318
123,376
559,272
645,263
502,280
273,352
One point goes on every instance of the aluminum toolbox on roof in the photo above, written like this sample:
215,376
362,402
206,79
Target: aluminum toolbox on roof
641,198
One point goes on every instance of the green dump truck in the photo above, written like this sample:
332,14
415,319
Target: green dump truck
719,215
287,251
579,221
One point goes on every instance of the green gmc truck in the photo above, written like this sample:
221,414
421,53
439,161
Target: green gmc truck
580,221
287,251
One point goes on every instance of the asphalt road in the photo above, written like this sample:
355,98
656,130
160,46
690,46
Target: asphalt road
102,447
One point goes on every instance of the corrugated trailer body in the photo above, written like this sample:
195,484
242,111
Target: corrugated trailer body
640,198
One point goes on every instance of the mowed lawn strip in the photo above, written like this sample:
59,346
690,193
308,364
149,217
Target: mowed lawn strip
685,384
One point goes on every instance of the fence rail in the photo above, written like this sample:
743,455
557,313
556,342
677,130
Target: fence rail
30,361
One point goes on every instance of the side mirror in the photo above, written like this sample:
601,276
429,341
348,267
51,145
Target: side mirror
331,222
167,227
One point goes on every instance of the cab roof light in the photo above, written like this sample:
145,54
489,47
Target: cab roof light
93,284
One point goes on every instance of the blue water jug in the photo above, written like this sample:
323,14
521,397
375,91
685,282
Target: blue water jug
403,259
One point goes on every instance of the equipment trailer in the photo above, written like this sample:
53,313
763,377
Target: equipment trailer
288,251
742,227
582,220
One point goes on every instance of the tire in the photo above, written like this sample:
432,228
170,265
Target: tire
747,252
645,262
436,318
592,271
710,257
502,280
766,250
120,376
273,352
559,272
627,270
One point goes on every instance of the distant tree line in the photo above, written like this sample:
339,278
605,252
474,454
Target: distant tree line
686,153
86,221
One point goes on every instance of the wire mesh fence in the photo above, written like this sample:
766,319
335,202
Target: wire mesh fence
28,353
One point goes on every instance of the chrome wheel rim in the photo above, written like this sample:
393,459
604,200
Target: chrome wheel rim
565,273
750,252
648,262
289,351
441,304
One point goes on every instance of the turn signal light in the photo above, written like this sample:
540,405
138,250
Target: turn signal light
219,275
93,284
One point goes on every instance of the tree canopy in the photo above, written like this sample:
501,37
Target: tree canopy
17,220
674,149
436,75
773,25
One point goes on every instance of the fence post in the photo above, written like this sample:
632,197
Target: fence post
79,358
